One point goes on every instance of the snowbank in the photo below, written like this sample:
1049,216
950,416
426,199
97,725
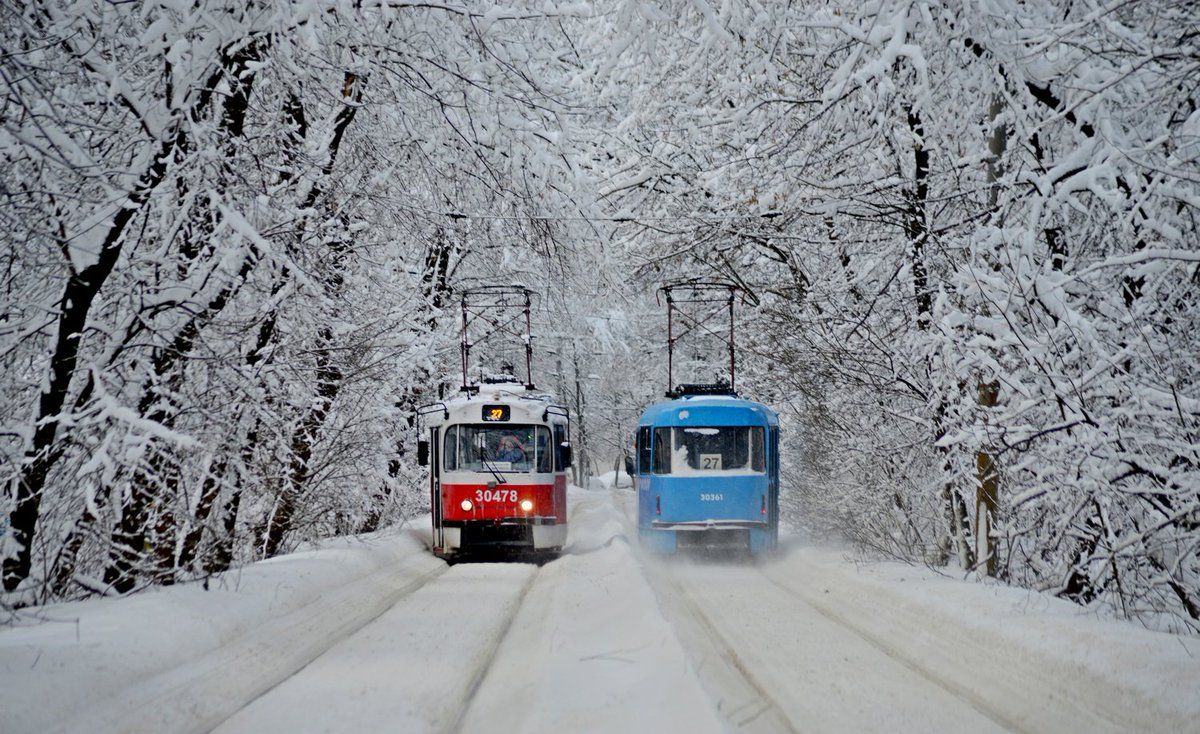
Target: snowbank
611,479
182,658
1030,654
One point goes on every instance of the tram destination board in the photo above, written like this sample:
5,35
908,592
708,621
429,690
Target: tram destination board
496,413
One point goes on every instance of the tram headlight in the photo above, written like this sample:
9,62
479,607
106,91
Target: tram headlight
527,505
466,505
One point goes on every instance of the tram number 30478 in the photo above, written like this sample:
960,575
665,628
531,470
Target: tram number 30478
495,495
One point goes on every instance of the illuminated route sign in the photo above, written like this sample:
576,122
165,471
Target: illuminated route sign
496,413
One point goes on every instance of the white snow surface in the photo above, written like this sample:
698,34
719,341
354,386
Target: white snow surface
375,634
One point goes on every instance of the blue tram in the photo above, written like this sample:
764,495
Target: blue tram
707,472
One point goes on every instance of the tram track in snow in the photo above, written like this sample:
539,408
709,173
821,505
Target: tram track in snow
728,670
727,678
754,708
457,658
910,662
810,671
415,667
201,695
1017,689
358,624
493,648
1010,686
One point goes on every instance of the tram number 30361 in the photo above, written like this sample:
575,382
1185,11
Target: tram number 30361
495,495
711,497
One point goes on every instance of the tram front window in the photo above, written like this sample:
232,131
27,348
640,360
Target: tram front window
716,449
507,448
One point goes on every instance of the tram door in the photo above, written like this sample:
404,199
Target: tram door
435,487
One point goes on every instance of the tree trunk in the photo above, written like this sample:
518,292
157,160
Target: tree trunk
221,556
916,229
329,381
916,226
329,375
158,485
77,298
986,490
987,480
209,492
158,404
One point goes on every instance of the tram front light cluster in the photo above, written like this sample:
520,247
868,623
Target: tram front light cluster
467,505
527,505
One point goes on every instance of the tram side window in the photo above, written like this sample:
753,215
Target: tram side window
774,444
643,442
450,449
662,450
543,452
560,437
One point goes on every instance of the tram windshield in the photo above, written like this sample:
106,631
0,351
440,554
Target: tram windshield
709,449
507,448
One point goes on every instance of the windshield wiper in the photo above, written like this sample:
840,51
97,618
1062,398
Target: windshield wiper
499,477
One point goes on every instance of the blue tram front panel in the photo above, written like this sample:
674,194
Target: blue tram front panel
708,474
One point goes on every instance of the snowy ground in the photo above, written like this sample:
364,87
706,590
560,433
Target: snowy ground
374,634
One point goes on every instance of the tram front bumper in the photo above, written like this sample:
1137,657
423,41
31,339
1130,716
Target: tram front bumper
706,535
513,532
696,525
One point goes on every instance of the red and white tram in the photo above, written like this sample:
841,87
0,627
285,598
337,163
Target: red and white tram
497,478
499,452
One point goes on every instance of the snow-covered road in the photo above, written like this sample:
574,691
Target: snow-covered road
377,635
411,669
807,670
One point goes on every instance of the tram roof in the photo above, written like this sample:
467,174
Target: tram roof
499,393
713,410
527,406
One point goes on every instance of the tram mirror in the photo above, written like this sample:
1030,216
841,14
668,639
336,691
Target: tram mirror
629,465
422,453
564,450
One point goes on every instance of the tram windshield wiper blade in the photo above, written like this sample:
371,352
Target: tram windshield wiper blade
499,477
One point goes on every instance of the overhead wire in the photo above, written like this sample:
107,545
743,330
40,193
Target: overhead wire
619,218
